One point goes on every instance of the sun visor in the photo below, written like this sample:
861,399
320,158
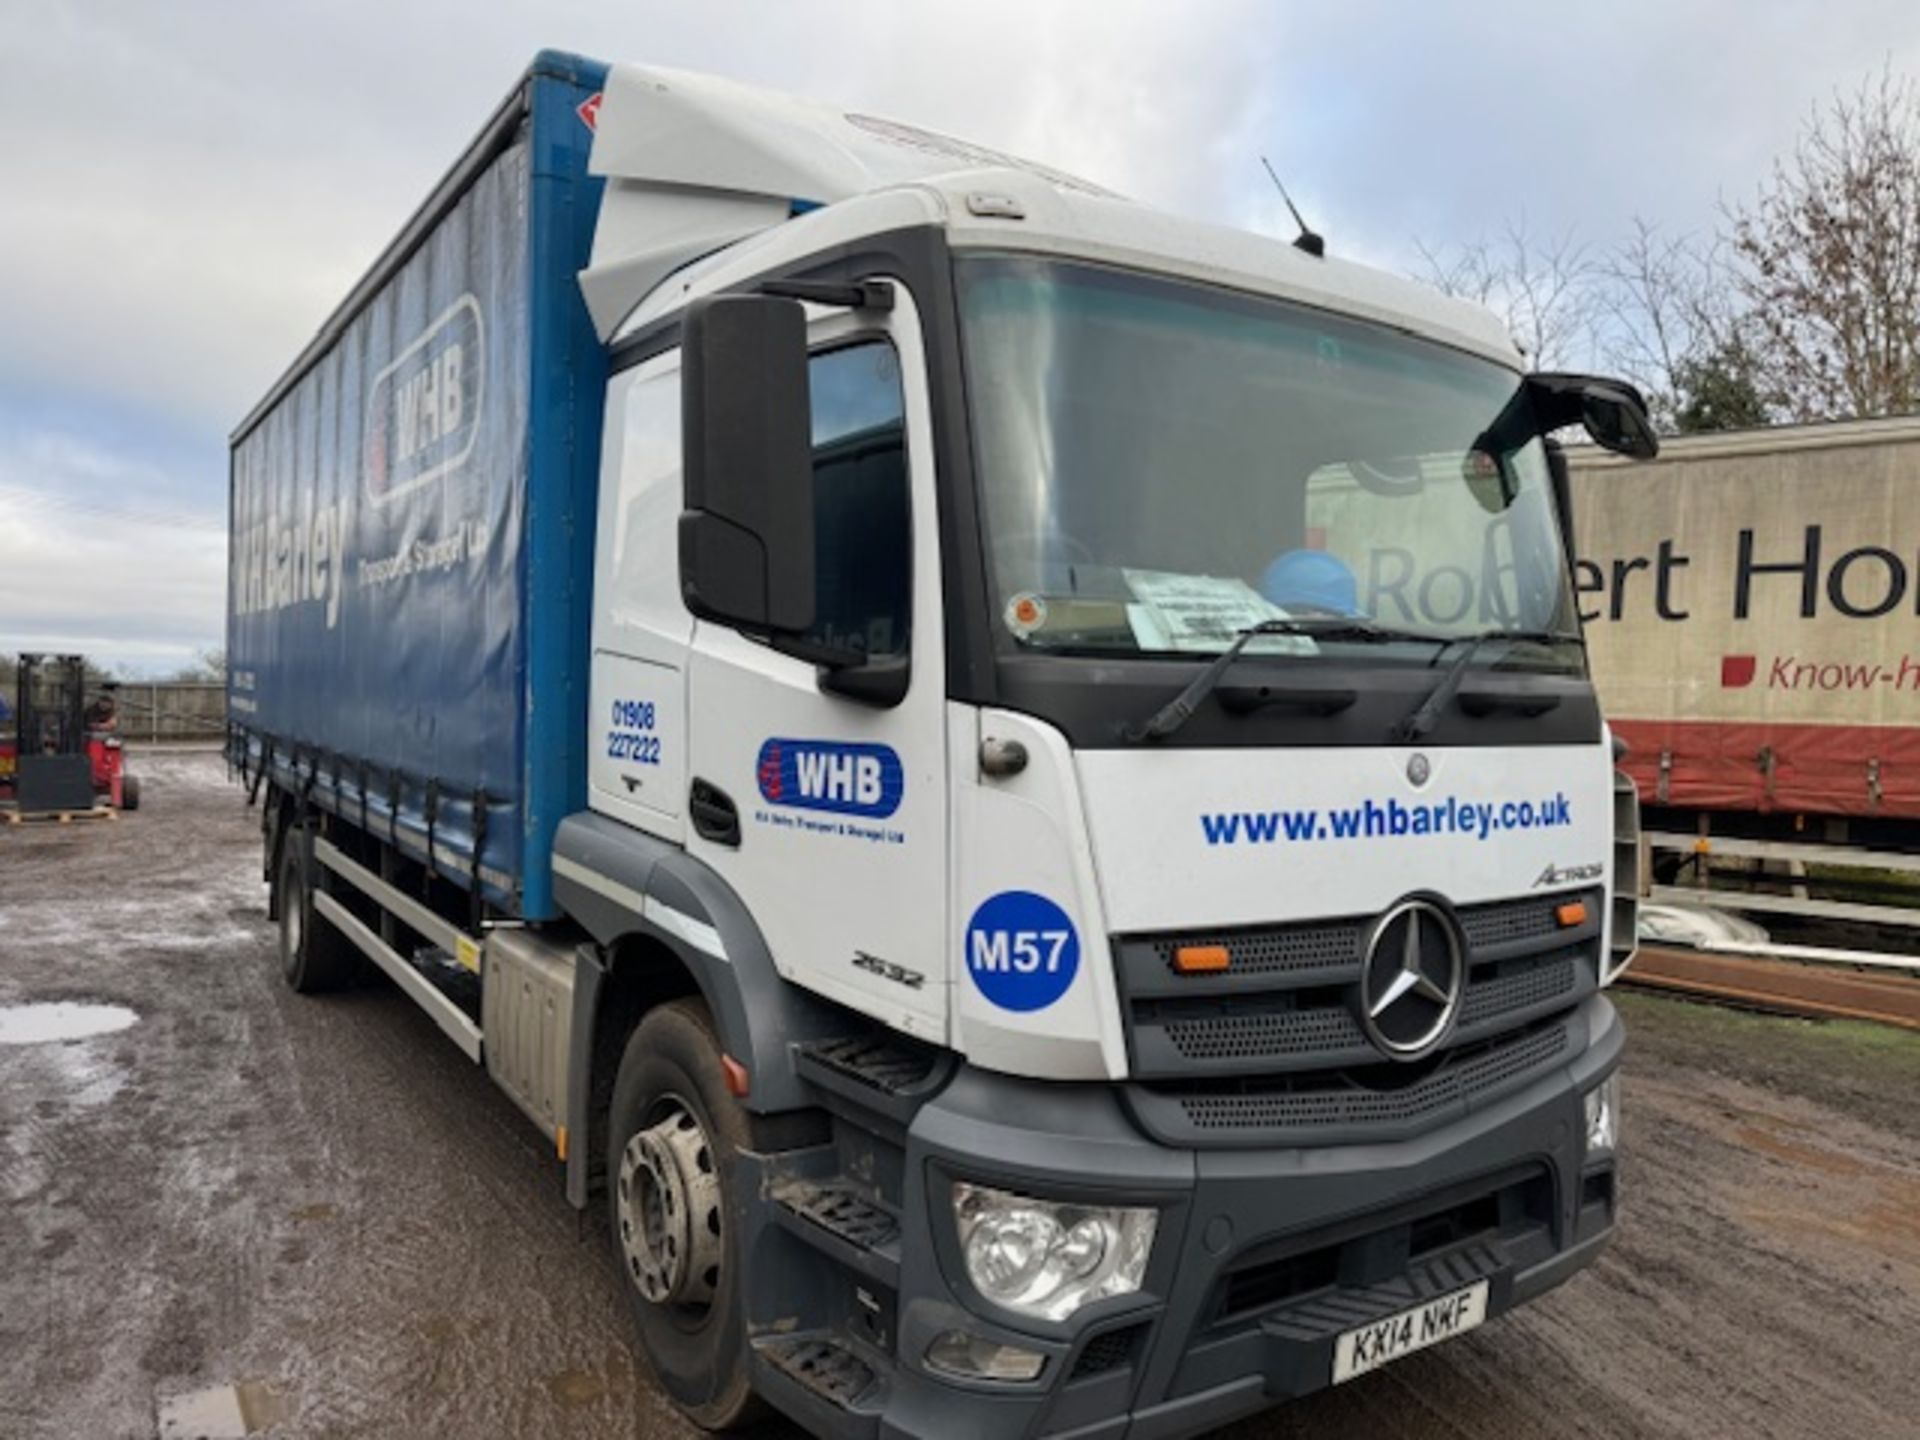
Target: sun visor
646,232
694,163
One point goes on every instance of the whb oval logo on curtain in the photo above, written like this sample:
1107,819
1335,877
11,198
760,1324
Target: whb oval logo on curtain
423,411
836,776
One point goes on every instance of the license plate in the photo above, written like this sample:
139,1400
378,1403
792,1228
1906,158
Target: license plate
1371,1346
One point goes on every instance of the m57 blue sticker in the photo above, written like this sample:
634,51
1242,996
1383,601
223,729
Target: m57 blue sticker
1022,950
840,777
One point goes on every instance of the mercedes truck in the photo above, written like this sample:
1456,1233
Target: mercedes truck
1011,779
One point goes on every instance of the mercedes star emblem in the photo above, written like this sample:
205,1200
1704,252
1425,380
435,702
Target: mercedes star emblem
1413,981
1418,769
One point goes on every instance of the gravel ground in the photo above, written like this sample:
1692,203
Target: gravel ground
322,1203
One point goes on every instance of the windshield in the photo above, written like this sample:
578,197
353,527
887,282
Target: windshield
1163,464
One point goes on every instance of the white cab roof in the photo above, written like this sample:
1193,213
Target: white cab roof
696,164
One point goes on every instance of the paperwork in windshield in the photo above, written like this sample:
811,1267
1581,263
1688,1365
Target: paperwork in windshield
1203,613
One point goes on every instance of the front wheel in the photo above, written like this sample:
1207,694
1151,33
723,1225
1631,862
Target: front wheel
129,792
672,1135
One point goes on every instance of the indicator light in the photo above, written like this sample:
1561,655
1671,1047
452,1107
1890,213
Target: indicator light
1201,959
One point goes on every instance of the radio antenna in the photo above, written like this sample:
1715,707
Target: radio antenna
1306,240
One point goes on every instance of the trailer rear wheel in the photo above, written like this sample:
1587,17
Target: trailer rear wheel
672,1135
313,955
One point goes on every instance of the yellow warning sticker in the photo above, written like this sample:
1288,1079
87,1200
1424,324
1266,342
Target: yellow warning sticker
467,952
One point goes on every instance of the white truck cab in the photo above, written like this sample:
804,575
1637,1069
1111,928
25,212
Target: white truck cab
1099,856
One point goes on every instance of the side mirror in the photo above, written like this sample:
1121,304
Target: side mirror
1616,418
1613,412
746,535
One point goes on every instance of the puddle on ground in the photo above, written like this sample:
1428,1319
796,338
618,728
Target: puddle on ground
574,1388
41,1024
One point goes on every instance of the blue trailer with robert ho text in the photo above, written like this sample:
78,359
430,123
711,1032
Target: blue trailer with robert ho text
1011,779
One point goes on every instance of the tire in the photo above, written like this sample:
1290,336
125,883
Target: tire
314,957
129,792
694,1334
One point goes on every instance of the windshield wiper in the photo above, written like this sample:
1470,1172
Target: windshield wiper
1424,716
1177,711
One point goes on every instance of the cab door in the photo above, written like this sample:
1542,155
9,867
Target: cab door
841,803
637,755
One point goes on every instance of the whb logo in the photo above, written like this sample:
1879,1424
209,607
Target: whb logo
1022,950
832,775
423,412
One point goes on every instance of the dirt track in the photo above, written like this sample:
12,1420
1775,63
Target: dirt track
322,1199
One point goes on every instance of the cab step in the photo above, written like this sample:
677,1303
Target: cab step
886,1074
822,1375
836,1218
886,1064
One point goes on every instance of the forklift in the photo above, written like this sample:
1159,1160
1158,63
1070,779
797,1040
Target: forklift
65,755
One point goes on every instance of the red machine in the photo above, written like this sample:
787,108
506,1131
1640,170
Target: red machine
64,752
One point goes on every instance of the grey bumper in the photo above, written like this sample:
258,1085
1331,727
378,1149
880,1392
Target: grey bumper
1263,1256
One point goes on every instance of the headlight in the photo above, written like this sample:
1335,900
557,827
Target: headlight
1046,1259
1603,1115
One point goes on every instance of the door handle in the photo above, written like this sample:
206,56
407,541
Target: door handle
714,815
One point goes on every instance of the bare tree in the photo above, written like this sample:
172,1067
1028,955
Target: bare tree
1542,287
1657,294
1828,259
1672,322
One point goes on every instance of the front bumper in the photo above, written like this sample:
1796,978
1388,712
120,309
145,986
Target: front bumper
1263,1256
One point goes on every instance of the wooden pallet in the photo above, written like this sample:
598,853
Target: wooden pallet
57,817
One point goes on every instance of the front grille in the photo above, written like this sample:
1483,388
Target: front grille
1287,1005
1486,926
1351,1102
1281,951
1520,989
1290,1032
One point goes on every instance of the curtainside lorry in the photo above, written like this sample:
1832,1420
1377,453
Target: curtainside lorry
1751,600
1011,779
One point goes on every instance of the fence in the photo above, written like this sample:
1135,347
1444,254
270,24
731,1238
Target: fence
172,710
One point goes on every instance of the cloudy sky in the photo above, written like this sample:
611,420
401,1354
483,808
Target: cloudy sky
187,187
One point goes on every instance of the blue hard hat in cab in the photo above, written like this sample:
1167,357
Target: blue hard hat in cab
1311,578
